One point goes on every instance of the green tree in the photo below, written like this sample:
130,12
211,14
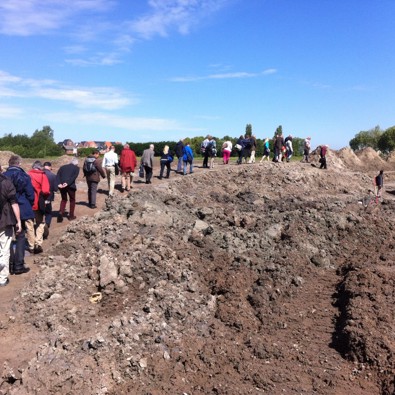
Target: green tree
368,138
386,142
248,131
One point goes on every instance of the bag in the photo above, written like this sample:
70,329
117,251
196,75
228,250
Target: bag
169,159
238,147
224,145
89,166
321,160
248,144
203,146
117,169
213,152
141,171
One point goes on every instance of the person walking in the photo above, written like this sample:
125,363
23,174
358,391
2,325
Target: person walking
165,161
25,199
93,170
66,178
306,149
204,151
127,163
266,150
187,159
9,220
253,149
226,151
278,146
147,160
378,184
179,153
110,160
288,147
53,186
323,152
42,190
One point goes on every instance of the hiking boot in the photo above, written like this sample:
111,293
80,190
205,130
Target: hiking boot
60,218
72,217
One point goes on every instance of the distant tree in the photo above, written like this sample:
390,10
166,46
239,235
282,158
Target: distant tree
39,145
248,131
369,138
386,142
279,130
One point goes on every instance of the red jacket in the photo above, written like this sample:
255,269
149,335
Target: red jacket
40,184
128,160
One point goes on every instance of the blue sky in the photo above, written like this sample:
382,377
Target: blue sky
153,70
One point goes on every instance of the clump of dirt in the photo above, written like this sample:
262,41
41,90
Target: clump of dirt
242,279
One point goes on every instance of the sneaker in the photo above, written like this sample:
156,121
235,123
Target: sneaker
93,206
38,250
5,283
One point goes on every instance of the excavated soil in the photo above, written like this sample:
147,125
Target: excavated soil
265,278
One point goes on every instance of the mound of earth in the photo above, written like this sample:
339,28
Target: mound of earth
4,157
266,278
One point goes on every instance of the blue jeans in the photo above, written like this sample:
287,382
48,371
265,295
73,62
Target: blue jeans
179,164
190,167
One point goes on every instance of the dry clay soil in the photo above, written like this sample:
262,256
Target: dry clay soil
262,278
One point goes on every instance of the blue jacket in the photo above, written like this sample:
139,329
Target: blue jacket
187,150
24,190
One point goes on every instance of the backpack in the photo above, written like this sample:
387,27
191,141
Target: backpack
203,146
248,144
89,166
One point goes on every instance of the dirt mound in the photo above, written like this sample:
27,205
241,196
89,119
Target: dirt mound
371,159
4,158
244,279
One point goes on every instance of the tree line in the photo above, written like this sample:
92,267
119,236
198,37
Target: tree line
42,144
376,138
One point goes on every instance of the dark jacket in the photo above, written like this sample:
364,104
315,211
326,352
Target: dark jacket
24,190
179,149
95,176
53,184
68,174
7,198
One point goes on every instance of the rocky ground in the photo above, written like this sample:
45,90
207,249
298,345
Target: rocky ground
265,278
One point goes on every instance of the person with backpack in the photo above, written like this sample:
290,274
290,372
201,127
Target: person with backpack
187,158
42,190
165,161
212,151
204,149
25,198
93,170
10,220
66,178
288,147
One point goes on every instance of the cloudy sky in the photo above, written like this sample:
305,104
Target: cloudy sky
153,70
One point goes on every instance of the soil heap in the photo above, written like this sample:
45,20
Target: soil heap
249,279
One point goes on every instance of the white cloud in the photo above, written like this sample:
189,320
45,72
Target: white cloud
180,15
9,112
220,76
30,17
132,124
106,98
